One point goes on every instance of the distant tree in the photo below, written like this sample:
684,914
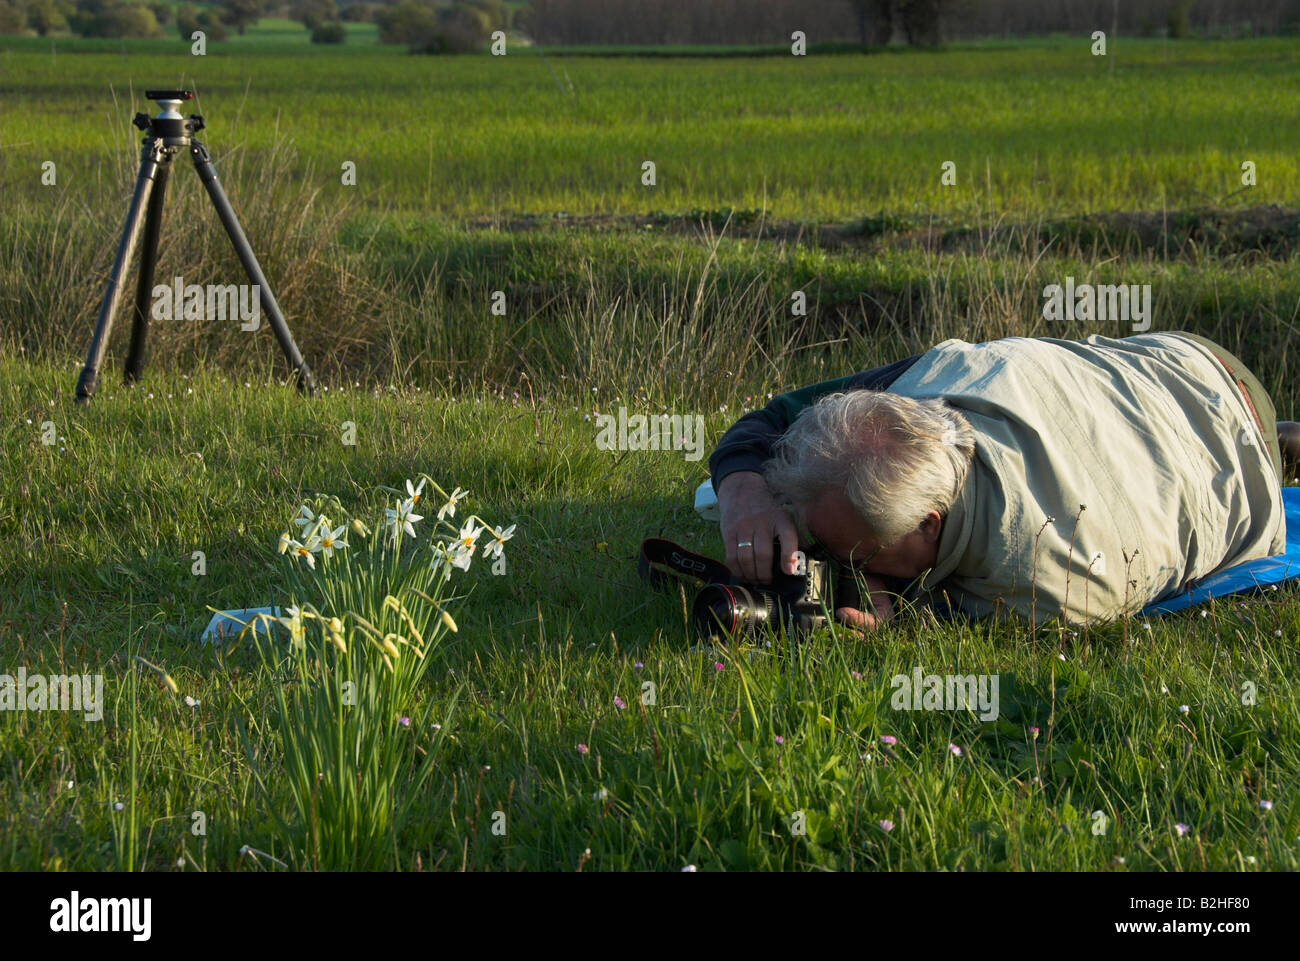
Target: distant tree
128,20
241,14
1180,19
45,17
312,13
494,10
922,21
332,32
455,28
190,19
524,19
875,20
113,18
358,13
164,13
462,27
408,21
13,18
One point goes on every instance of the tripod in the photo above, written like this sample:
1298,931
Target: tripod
165,135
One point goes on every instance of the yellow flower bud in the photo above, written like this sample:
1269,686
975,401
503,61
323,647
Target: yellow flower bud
359,528
284,543
390,647
448,622
171,685
336,634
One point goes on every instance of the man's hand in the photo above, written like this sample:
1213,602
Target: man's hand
866,621
751,521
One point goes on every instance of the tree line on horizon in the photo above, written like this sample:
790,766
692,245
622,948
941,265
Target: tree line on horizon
454,26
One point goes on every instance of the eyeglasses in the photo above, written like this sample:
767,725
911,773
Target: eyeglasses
859,565
862,565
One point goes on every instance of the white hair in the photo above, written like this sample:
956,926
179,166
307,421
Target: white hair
895,458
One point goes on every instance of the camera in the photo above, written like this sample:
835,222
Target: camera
796,603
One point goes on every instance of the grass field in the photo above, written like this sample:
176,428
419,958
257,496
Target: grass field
522,174
1035,129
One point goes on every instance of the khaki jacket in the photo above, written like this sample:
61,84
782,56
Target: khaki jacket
1108,473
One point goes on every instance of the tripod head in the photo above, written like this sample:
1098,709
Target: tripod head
169,125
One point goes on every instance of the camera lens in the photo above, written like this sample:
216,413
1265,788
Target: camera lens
724,610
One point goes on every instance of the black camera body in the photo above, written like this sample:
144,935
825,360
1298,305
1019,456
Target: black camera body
794,603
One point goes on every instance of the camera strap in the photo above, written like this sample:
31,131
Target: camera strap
663,562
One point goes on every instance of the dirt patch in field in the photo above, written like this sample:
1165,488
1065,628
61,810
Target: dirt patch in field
1272,232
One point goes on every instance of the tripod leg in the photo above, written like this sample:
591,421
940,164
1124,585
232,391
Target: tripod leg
150,157
208,174
144,284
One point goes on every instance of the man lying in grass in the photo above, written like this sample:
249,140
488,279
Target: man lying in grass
1041,476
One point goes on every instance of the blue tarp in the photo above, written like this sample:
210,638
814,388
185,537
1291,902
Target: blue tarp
1250,575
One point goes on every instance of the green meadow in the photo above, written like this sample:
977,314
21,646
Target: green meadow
1032,129
535,743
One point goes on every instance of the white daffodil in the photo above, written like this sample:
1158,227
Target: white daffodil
294,623
466,544
498,541
330,540
449,509
307,551
414,492
402,519
309,522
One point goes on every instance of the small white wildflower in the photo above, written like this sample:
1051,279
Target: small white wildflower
331,540
307,551
449,509
402,519
466,544
305,518
498,541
